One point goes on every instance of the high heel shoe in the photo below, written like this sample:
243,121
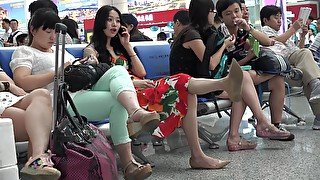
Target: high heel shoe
148,122
219,165
234,82
140,172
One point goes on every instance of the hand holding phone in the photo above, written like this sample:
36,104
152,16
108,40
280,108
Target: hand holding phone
121,30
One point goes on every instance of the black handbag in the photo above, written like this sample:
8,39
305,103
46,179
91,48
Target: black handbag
83,76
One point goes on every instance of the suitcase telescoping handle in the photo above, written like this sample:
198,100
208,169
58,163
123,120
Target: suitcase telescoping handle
58,76
60,28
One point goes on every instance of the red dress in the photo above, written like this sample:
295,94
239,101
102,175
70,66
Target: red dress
169,98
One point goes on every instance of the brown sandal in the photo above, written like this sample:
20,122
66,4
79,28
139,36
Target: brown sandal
140,171
241,145
147,123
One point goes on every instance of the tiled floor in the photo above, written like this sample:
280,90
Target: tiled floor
274,160
298,159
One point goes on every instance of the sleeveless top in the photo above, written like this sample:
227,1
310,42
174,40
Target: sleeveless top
183,60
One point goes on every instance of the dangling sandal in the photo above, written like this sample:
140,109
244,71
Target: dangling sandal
40,167
148,122
140,171
234,82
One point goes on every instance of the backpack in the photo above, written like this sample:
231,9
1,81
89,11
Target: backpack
268,61
12,35
213,40
271,63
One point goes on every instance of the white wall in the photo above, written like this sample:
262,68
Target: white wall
122,5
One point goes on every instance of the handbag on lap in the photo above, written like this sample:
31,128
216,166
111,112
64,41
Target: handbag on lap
83,76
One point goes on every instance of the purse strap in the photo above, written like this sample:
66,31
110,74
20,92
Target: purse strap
83,132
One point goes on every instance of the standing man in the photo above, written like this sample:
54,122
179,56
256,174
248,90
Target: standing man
271,17
7,29
12,39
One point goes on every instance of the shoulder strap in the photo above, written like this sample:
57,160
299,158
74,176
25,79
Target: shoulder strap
210,45
15,33
10,38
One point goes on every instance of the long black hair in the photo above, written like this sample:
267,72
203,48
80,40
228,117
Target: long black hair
72,27
198,13
99,39
45,17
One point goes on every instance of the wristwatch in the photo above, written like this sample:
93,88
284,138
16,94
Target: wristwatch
5,86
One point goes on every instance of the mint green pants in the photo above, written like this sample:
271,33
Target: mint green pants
101,102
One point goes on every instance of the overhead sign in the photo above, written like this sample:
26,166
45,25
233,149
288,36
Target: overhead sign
13,10
143,6
78,10
159,18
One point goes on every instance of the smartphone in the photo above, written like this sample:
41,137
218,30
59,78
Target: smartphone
121,30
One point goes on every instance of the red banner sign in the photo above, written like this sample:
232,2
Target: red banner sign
159,18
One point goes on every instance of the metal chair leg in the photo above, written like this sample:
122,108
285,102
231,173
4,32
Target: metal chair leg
209,137
292,113
205,136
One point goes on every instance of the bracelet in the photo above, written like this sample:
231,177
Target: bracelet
251,28
132,55
4,86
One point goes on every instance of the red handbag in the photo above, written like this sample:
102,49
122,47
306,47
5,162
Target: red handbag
81,150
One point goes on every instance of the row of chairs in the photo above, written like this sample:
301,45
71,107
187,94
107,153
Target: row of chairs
155,58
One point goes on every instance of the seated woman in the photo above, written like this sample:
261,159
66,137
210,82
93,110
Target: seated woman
112,96
190,49
72,29
31,115
174,97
